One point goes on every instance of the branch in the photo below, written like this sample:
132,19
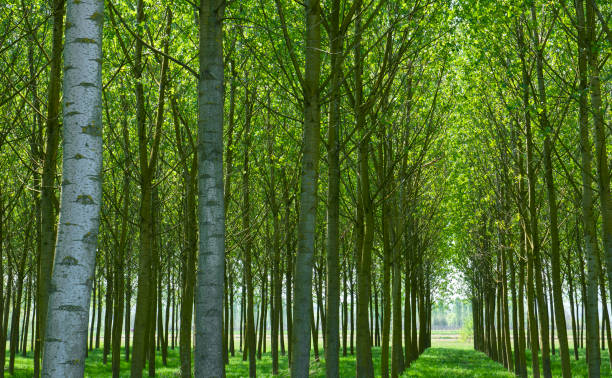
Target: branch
156,51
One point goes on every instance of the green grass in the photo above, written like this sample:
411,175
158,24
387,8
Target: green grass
579,368
449,357
451,362
236,368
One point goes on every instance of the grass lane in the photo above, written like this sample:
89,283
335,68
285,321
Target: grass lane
452,362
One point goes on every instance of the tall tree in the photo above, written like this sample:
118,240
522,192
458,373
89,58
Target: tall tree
302,308
208,357
590,234
68,315
47,186
547,130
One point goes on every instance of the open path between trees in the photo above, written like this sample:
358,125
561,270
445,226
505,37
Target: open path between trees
452,362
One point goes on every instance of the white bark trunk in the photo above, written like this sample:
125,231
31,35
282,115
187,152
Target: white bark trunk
73,266
208,358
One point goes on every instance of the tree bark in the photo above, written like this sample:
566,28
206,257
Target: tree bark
49,169
308,193
590,235
559,311
332,289
74,263
120,261
531,231
250,340
599,132
17,308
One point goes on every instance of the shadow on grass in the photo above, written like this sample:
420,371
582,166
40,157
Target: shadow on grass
448,362
579,368
435,362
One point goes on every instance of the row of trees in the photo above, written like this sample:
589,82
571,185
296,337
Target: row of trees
216,181
307,169
537,246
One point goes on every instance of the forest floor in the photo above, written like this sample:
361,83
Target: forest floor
455,362
449,357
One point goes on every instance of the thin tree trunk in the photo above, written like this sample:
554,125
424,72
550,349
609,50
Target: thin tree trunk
5,315
26,319
332,288
599,132
288,280
99,320
147,164
505,313
119,263
344,312
250,340
262,314
231,322
532,230
108,314
166,330
314,325
386,287
364,365
47,197
352,312
590,235
17,309
554,225
408,354
605,324
93,312
572,308
128,312
280,319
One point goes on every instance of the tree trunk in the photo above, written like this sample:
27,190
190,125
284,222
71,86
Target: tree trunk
120,261
190,247
93,313
262,313
599,132
308,192
554,224
590,235
605,324
532,230
108,314
408,354
344,311
572,307
74,263
332,288
314,326
231,322
505,313
128,312
250,341
47,197
147,164
5,315
17,309
386,287
288,279
364,365
26,319
99,320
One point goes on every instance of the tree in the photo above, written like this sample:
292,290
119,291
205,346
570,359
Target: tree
208,358
302,300
66,334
